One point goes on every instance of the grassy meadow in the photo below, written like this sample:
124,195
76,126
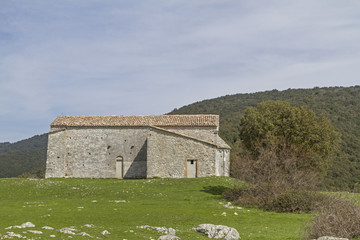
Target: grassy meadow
119,206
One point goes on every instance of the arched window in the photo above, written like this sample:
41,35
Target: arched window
119,167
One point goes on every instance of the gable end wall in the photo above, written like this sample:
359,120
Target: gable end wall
205,133
91,152
168,153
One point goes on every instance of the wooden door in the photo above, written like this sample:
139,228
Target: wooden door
191,166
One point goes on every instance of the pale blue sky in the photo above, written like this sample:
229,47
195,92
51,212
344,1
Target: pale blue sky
117,57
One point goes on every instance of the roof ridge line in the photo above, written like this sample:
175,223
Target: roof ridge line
198,120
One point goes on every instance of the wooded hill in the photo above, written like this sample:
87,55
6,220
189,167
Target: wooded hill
25,156
341,105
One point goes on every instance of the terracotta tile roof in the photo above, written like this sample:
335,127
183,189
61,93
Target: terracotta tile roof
150,120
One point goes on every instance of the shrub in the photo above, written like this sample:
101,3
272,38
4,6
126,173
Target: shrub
250,197
264,198
338,217
275,167
295,201
277,183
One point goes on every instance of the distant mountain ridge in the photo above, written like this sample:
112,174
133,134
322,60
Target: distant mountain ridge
341,105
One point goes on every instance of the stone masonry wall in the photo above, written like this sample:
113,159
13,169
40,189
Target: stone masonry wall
205,133
168,154
222,162
92,152
55,162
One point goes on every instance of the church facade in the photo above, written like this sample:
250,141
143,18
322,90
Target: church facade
165,146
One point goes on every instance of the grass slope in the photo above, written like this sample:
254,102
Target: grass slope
119,206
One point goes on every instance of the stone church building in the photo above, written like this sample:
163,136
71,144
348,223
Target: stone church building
166,146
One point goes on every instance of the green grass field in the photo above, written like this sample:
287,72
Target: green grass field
119,206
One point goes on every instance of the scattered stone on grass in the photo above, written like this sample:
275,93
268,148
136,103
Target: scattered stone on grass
68,231
168,231
84,234
47,228
169,237
218,231
118,201
71,231
228,205
27,225
89,225
11,227
11,235
35,232
24,225
331,238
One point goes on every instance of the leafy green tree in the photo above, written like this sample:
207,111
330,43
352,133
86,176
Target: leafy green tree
313,139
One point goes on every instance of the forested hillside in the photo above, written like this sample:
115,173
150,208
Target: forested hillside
35,142
341,105
25,156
